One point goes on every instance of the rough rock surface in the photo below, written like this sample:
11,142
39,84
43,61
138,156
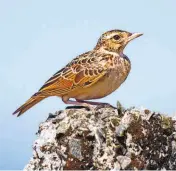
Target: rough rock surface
105,138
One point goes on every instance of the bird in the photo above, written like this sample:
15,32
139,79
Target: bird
91,75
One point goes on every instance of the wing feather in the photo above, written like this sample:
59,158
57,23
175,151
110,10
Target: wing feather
83,71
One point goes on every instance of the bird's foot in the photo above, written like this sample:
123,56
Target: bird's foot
79,104
98,105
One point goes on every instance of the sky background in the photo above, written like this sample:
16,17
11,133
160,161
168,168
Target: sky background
37,38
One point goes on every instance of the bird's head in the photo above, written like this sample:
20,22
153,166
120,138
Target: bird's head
115,40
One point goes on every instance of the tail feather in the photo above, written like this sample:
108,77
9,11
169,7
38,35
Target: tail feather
30,103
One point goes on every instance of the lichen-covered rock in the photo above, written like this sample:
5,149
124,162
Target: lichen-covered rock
105,138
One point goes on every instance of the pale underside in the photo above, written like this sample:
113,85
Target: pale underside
105,86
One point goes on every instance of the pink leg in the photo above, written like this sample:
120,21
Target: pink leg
78,104
98,104
91,103
85,103
71,102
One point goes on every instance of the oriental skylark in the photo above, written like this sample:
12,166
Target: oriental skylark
92,75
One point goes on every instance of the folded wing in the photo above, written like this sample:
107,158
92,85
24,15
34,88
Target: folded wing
83,71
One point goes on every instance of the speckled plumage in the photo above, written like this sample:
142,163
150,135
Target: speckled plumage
92,75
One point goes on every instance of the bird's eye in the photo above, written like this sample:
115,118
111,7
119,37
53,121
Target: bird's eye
116,37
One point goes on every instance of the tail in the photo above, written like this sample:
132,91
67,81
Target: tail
36,98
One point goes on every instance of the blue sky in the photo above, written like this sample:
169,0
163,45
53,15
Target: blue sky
37,38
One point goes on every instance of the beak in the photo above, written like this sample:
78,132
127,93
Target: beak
134,35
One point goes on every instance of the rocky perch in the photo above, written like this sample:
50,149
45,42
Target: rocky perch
105,138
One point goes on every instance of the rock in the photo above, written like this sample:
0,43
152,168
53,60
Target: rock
105,138
124,161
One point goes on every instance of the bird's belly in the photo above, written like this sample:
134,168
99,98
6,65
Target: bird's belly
102,88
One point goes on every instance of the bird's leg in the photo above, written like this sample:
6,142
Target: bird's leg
85,104
72,102
76,103
99,104
91,103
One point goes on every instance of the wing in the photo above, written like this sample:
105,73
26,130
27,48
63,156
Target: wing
83,71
